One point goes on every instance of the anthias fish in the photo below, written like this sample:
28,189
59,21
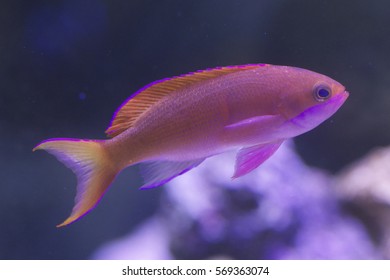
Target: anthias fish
174,124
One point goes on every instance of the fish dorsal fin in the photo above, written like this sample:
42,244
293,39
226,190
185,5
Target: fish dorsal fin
143,99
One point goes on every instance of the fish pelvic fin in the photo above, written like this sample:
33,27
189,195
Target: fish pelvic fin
250,158
89,161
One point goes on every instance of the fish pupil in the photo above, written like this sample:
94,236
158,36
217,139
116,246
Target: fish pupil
323,93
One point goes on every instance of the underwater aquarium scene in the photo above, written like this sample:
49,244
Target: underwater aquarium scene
195,130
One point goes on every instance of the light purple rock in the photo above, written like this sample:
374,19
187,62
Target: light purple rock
282,210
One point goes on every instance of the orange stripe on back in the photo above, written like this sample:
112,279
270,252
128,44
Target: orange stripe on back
146,97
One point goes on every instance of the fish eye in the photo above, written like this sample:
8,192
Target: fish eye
322,93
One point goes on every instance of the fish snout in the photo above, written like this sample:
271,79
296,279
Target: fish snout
344,95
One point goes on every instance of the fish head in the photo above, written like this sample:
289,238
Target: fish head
308,98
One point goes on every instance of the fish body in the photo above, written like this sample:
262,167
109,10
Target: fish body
172,125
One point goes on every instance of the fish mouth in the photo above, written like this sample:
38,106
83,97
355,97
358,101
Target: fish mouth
334,103
344,95
315,115
337,101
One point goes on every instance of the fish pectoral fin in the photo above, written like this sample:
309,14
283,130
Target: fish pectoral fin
257,129
248,159
258,122
157,173
254,127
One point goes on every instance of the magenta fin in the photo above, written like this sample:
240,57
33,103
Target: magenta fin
158,173
249,158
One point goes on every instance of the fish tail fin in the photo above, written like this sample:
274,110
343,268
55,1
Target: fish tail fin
89,161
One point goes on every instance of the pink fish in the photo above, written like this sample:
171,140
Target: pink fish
174,124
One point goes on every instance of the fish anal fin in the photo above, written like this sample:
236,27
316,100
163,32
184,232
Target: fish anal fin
158,173
250,158
143,99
